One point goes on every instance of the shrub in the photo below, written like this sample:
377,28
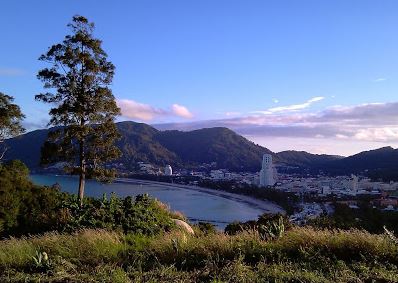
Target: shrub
24,207
206,228
269,226
29,209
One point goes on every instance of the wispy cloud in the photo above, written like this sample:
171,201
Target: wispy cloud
274,100
34,125
11,72
379,80
232,113
145,112
293,107
372,122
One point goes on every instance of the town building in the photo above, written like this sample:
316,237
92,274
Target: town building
168,171
267,172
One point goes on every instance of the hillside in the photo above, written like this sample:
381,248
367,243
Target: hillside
385,157
227,149
26,147
141,142
304,159
138,143
220,145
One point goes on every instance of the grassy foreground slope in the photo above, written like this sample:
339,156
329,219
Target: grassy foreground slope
301,255
49,237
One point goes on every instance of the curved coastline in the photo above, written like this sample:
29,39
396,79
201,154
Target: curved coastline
264,205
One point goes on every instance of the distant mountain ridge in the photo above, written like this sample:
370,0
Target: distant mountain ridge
377,159
221,146
141,142
305,159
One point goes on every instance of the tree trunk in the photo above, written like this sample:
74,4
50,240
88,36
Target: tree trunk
82,181
3,149
82,174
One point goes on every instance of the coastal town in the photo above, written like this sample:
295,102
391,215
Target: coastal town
316,192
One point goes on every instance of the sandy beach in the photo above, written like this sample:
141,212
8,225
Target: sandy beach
264,205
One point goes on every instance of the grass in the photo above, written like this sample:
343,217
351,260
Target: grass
302,255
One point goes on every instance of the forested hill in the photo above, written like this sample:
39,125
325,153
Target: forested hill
380,163
141,142
220,146
305,159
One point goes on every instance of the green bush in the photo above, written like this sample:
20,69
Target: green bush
26,208
142,215
269,226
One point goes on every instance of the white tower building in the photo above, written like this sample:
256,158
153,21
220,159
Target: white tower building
354,183
168,171
267,172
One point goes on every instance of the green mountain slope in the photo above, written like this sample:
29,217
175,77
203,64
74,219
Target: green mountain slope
304,159
382,159
220,145
141,142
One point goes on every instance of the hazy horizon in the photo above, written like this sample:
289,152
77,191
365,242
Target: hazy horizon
274,143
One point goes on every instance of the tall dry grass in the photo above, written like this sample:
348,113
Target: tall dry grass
87,247
301,255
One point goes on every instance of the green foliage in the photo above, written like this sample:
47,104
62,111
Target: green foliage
41,261
365,217
268,226
376,163
80,76
142,215
391,235
221,145
301,255
10,120
206,228
272,229
24,207
141,142
27,208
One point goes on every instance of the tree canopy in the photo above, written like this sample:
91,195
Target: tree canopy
78,81
10,120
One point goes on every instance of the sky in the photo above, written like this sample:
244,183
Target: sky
319,76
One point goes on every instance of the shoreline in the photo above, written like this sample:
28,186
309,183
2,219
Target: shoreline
265,205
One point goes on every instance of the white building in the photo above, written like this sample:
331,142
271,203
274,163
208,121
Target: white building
267,171
168,171
325,190
354,183
217,174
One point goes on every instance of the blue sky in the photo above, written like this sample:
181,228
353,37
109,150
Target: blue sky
286,74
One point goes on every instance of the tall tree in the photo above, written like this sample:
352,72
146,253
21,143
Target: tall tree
10,121
80,76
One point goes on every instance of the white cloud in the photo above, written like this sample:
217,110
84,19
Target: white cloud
372,122
11,72
275,100
379,80
140,111
135,110
386,134
232,113
340,136
181,111
293,107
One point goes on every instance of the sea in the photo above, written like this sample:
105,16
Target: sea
197,205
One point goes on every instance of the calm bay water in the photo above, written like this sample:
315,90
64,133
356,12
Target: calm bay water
196,205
